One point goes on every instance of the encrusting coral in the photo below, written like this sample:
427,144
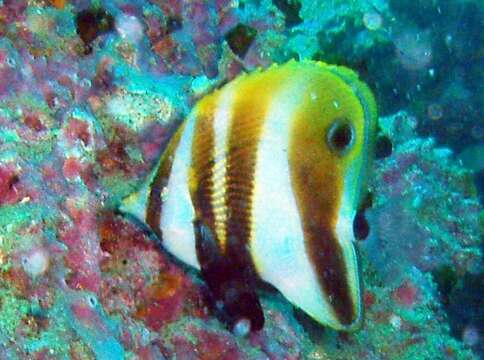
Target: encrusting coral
85,116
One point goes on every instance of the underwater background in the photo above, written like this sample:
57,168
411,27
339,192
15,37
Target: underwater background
90,93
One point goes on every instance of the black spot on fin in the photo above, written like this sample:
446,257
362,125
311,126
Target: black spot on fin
232,288
384,147
361,228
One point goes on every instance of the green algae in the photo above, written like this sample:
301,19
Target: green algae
13,217
9,136
97,330
82,351
37,151
141,101
12,311
50,340
16,146
119,187
59,328
137,109
171,330
49,42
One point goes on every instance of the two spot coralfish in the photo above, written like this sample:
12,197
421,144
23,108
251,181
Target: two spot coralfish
263,181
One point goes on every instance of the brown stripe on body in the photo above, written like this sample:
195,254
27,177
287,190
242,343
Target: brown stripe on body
231,274
233,202
203,162
153,208
228,274
249,114
316,178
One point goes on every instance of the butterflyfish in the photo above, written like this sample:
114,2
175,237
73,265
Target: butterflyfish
263,181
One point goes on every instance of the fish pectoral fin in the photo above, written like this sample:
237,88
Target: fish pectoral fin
232,289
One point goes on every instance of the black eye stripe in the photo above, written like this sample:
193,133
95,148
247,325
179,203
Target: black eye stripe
340,136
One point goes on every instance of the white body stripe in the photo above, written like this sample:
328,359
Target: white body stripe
278,245
178,213
223,114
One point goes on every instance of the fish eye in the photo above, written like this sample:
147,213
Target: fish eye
340,136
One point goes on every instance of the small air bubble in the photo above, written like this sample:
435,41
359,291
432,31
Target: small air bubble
10,62
35,263
448,40
431,72
372,20
92,301
470,335
85,83
395,321
435,111
242,327
477,132
164,194
219,304
336,104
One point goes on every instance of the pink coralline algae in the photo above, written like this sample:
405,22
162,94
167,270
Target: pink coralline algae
197,46
9,191
428,200
84,115
144,287
406,294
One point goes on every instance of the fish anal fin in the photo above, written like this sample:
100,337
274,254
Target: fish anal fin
232,292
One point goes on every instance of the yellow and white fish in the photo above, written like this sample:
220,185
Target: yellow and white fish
263,180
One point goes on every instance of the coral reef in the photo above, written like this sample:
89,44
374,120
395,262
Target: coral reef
91,92
426,233
411,192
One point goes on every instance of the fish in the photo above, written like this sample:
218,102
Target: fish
262,183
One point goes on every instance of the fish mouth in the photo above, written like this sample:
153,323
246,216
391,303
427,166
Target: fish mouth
342,288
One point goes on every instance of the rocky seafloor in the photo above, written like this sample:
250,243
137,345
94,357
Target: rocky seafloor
90,93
